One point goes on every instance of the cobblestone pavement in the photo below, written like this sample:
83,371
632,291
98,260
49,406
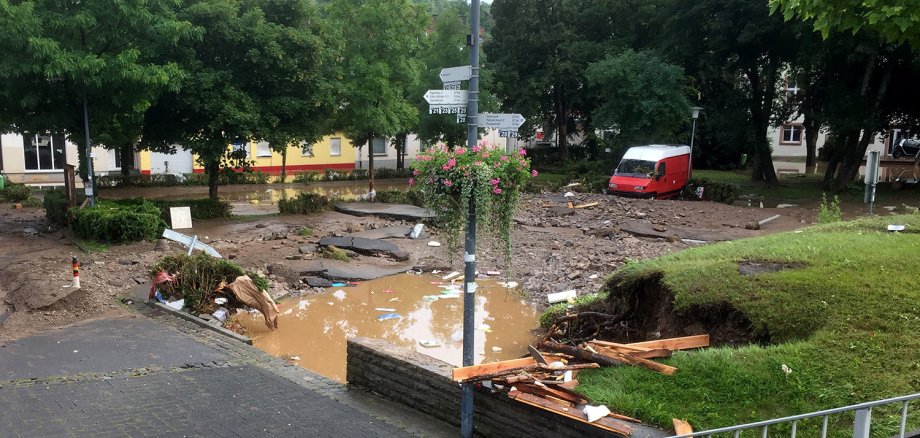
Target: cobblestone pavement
156,375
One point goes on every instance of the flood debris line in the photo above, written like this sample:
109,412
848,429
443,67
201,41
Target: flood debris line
547,379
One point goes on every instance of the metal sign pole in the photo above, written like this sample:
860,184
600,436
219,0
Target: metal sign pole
872,164
90,193
469,257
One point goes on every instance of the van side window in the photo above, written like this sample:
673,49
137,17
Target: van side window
662,169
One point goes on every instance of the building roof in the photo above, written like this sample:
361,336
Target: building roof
655,152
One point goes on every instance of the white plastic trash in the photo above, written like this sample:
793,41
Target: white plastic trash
221,314
568,195
433,243
177,305
416,231
561,297
896,227
451,276
595,413
220,301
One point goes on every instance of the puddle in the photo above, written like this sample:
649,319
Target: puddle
314,328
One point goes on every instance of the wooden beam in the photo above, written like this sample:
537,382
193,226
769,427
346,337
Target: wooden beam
632,351
636,361
529,368
561,393
586,205
684,343
681,427
605,423
465,373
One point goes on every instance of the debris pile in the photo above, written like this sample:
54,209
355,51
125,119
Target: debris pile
548,378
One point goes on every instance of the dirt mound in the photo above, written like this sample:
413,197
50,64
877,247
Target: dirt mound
650,305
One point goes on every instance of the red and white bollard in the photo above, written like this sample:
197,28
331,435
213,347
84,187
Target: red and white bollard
76,274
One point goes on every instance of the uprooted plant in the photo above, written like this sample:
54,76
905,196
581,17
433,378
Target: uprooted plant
198,278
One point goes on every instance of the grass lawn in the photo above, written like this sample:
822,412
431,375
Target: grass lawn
847,323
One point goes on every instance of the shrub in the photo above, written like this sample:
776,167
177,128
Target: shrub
716,191
829,212
56,207
201,209
359,175
390,173
198,276
111,222
13,192
152,180
307,177
228,177
304,203
411,197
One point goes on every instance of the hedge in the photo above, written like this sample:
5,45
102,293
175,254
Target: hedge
111,222
152,180
715,191
353,175
13,192
411,197
56,207
305,203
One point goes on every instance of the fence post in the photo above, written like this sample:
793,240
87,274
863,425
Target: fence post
863,423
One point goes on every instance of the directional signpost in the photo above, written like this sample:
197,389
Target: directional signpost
506,124
456,74
447,102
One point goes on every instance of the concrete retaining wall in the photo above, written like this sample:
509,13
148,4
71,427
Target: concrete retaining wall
424,383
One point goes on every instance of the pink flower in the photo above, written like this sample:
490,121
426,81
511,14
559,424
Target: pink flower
497,191
460,150
448,183
495,181
452,162
534,173
416,172
475,149
478,163
504,158
497,165
522,152
411,181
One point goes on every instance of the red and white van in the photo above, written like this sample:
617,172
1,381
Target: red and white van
653,171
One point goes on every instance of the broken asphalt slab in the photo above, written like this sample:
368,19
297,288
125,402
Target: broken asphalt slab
390,211
388,233
358,271
372,247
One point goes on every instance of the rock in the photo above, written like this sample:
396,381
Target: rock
659,228
560,211
307,249
293,257
116,283
284,272
752,225
231,256
574,275
162,245
317,282
261,226
140,280
371,247
128,262
30,230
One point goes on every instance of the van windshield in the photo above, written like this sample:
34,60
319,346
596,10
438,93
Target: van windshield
636,168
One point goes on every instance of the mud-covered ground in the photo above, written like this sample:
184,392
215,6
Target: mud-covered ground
554,249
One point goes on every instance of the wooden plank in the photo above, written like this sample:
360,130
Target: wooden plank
465,373
529,368
637,361
570,205
562,394
586,205
683,343
605,423
681,427
622,348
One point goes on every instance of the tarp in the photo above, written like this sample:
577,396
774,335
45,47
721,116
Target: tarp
249,294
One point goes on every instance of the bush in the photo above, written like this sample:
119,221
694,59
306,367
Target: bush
390,173
13,192
202,209
110,222
411,197
305,203
152,180
56,208
198,276
829,212
307,177
715,191
228,177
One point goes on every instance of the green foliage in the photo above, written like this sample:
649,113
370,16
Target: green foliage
228,178
640,95
843,319
451,180
894,21
410,196
305,203
829,212
152,180
307,177
713,190
201,209
305,232
12,192
56,207
334,253
110,222
197,278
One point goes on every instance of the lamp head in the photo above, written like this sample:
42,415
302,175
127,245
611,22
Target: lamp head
695,112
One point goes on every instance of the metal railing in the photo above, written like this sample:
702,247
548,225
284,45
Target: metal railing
862,425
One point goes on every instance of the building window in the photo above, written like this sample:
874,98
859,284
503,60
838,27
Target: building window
263,149
239,145
380,146
116,159
792,89
791,134
43,152
335,147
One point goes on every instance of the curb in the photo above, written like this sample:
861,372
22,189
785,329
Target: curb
200,322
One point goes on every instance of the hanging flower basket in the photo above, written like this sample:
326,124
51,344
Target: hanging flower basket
493,180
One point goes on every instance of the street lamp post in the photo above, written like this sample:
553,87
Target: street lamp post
88,188
695,113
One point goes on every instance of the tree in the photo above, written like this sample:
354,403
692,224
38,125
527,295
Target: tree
380,56
257,72
55,54
886,30
642,98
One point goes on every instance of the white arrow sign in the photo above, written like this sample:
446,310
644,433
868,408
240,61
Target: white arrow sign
447,97
508,121
456,74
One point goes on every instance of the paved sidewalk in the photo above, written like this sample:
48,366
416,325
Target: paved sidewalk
160,376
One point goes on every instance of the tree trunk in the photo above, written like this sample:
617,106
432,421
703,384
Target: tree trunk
370,164
127,158
562,122
401,141
811,127
284,165
763,92
212,168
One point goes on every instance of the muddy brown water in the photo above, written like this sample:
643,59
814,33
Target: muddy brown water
262,193
313,329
